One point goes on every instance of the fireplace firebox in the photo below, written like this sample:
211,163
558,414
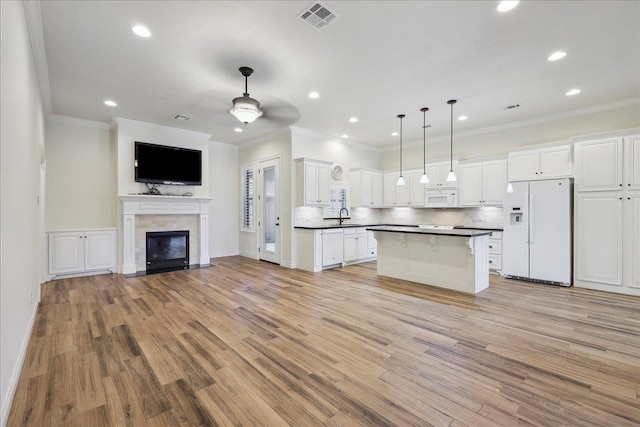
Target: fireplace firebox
167,251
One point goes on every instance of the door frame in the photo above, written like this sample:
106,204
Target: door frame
277,259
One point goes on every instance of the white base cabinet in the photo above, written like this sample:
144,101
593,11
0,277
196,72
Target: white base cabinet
357,247
82,252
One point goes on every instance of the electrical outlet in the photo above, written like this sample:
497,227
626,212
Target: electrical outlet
480,217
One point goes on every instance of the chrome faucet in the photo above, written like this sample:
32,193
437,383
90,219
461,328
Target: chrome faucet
342,219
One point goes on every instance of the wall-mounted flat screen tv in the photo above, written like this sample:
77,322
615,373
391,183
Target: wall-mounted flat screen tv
161,164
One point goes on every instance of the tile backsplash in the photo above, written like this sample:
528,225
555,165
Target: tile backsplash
479,216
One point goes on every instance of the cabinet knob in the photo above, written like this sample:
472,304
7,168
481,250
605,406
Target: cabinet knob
620,185
628,198
620,198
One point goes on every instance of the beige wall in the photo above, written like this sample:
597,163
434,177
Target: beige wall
81,174
498,142
21,139
224,215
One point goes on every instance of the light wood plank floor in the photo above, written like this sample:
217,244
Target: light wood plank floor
250,343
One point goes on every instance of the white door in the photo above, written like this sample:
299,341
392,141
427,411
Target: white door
632,163
389,188
269,210
324,184
350,245
416,189
311,184
433,172
366,189
550,230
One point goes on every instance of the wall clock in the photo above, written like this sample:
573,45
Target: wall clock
336,172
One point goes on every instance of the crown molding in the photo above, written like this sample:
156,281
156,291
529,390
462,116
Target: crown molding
78,122
121,122
36,38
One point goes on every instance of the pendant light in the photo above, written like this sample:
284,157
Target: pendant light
400,178
452,175
425,178
245,108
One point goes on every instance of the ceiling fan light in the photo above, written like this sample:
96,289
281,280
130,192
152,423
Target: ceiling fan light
424,179
400,180
452,176
246,109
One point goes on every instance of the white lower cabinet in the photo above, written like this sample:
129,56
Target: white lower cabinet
83,251
495,251
356,245
332,247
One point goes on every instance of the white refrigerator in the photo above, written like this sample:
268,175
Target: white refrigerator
536,244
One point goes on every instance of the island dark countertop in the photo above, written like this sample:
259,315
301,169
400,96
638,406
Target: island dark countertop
476,227
416,230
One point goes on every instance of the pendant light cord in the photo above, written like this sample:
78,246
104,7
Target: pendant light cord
401,116
424,140
451,143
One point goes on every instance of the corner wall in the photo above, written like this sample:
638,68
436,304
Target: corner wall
21,145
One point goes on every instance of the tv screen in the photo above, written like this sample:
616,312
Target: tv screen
161,164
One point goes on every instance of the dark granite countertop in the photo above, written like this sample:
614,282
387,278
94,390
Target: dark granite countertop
416,230
323,227
478,227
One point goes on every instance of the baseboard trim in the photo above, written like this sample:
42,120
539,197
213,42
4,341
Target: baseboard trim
15,376
287,264
247,254
221,254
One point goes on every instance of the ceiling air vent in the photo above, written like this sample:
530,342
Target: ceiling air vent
511,107
318,15
181,117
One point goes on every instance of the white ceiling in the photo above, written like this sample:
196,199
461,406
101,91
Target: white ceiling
376,60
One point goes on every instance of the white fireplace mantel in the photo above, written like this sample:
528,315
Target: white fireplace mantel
139,204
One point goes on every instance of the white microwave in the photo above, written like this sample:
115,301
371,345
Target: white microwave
434,198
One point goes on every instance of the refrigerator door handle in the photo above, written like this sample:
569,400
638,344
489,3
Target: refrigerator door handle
531,219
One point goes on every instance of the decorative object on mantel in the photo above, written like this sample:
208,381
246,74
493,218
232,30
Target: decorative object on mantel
245,108
401,178
452,175
425,178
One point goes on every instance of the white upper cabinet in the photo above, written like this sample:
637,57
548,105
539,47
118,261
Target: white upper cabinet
389,185
482,183
437,173
416,198
632,165
366,188
313,183
411,194
599,165
541,163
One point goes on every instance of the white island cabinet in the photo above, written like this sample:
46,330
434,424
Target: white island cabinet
451,259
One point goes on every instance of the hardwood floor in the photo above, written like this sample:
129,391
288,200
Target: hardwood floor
250,343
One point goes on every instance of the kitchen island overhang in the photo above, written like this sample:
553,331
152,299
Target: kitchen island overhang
452,259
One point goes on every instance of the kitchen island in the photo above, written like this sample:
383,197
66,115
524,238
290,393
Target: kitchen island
453,259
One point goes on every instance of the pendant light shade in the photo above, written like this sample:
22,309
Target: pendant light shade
245,108
451,177
401,178
425,178
510,188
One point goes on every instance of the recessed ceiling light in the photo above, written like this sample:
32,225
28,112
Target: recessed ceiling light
344,135
394,134
507,5
110,103
141,31
463,118
238,130
573,92
314,95
181,117
557,55
353,120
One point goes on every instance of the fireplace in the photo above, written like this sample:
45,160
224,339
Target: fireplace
167,251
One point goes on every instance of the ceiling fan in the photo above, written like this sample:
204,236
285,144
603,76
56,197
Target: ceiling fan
245,108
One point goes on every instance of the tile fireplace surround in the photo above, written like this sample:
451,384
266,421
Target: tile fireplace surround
135,205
